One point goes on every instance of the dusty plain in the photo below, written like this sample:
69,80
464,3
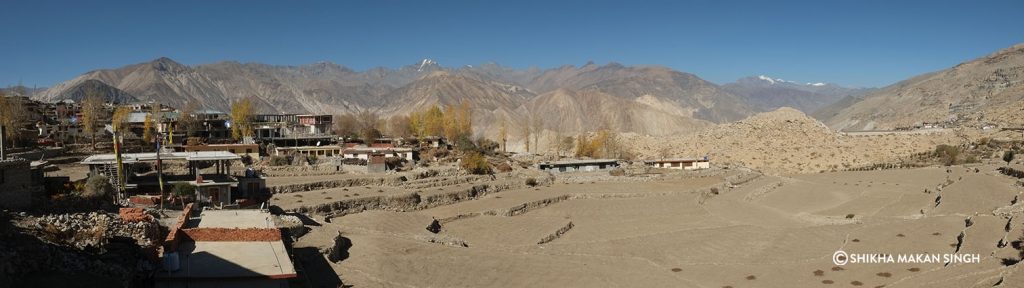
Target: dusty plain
720,228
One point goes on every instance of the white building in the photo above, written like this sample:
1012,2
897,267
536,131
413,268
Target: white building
680,163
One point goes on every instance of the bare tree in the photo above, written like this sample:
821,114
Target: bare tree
92,113
503,134
12,117
536,125
187,118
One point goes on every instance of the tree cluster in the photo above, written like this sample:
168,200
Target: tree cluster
600,145
453,122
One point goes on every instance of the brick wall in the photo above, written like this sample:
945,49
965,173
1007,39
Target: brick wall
233,234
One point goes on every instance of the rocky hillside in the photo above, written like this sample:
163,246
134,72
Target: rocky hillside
765,93
685,92
647,100
786,141
984,91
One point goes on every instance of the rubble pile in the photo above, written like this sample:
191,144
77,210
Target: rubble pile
97,244
94,229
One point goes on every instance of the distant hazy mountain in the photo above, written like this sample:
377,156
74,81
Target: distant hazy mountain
567,99
767,94
987,90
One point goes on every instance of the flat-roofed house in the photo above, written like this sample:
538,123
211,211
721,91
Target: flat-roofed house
225,248
578,165
680,163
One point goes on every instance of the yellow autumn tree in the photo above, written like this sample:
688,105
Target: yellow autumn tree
451,123
433,122
120,119
241,119
464,119
149,124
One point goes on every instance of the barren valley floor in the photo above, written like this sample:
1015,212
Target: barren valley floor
757,231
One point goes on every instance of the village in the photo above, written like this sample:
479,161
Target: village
194,197
179,172
340,144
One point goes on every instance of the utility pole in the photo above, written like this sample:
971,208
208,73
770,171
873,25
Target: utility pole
2,155
160,171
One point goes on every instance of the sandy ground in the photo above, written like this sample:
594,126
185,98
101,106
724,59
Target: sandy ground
774,231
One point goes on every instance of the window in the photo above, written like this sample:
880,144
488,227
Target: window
2,174
248,151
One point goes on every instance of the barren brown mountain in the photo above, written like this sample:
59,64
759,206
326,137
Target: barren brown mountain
985,91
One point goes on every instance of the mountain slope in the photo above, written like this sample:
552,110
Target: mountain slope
766,94
704,100
988,90
572,111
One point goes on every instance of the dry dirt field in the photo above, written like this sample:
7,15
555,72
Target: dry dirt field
674,231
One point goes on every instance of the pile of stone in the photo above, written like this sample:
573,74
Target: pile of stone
94,229
99,244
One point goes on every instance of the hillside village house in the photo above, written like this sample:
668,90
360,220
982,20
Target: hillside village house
293,130
365,152
578,165
680,163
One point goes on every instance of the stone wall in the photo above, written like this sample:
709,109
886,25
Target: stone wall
16,187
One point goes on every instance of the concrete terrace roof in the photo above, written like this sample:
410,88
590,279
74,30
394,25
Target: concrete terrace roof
232,263
148,157
238,218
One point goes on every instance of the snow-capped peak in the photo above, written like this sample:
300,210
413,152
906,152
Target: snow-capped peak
766,78
425,63
816,84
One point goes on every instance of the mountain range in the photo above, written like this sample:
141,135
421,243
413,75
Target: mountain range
567,99
649,100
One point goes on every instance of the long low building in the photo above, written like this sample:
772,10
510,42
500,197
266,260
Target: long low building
578,165
251,150
348,153
680,163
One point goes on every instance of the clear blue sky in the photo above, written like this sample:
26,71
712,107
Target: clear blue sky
858,43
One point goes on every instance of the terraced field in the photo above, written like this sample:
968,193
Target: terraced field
730,230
